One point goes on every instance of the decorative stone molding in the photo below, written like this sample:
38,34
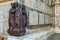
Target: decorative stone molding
7,2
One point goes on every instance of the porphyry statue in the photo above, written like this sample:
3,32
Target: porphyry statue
17,20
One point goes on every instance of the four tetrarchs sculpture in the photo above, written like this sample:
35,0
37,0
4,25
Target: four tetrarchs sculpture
17,20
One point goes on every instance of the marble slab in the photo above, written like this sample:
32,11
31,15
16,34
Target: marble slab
40,5
46,19
57,8
41,18
1,14
1,27
30,3
4,15
33,18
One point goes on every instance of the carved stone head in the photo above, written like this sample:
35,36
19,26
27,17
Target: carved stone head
14,5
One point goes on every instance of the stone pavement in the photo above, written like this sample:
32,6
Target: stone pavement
55,36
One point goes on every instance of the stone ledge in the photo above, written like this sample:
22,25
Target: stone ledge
31,36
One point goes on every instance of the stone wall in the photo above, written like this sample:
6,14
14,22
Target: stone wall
4,14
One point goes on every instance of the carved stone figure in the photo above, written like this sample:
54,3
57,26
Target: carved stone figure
17,20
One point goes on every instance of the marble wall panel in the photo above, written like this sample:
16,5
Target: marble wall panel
4,15
30,3
41,18
46,19
33,18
